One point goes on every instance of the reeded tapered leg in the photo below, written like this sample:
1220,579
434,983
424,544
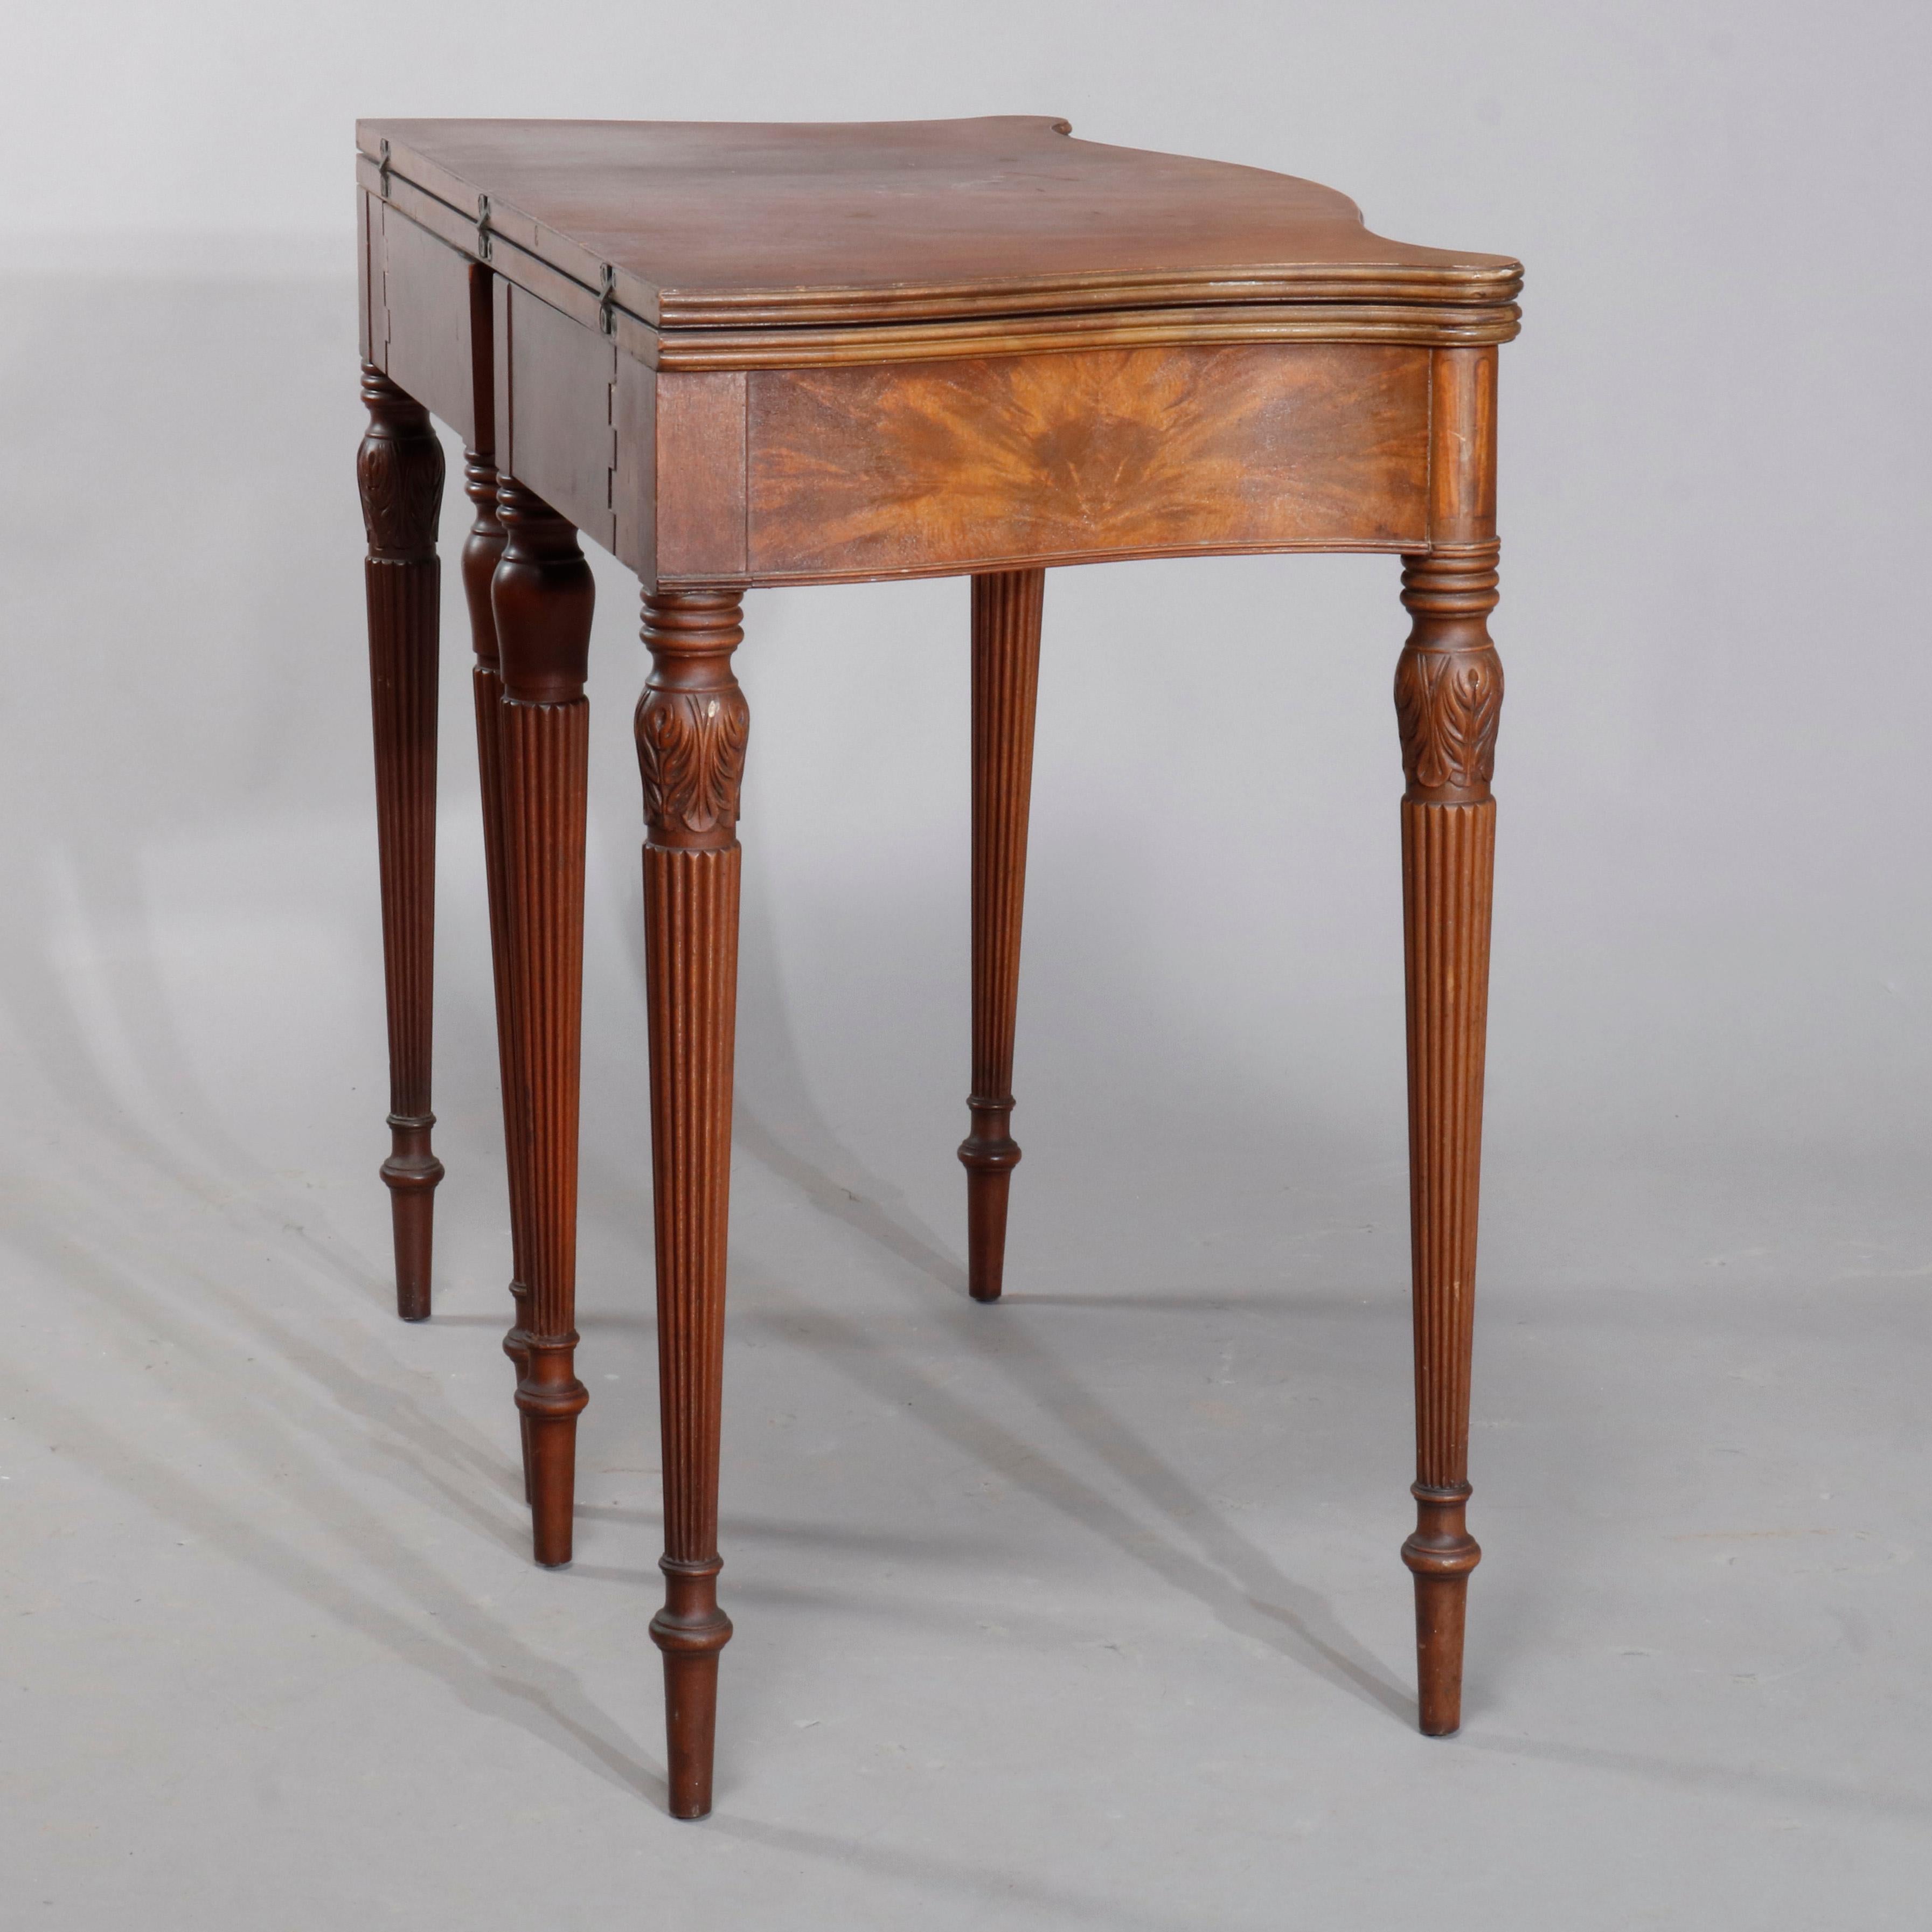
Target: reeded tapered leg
399,468
1448,693
691,725
1005,679
541,596
481,552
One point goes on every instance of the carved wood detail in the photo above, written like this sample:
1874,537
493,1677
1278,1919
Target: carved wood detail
1449,680
542,597
1006,609
691,751
399,469
691,725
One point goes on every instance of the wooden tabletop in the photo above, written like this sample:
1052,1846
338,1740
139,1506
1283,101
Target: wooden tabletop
720,225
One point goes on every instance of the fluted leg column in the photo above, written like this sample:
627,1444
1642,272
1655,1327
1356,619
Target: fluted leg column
1448,692
481,552
541,596
691,725
1005,679
399,468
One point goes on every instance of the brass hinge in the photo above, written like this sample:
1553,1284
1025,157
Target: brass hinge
483,232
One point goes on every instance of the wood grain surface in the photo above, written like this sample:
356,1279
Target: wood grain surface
554,406
422,319
701,458
1033,460
719,224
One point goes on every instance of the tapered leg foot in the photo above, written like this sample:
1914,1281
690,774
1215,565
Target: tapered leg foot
986,1193
399,469
1006,607
691,1630
411,1174
549,1399
1441,1553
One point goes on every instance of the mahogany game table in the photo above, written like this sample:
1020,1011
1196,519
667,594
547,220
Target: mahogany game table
737,355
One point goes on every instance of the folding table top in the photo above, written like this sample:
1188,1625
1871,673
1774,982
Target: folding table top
705,226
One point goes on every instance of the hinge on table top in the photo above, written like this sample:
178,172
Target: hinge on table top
607,299
382,172
483,228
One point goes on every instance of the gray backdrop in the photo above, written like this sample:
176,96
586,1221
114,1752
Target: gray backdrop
1085,1610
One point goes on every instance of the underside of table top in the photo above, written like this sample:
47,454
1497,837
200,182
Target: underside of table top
700,239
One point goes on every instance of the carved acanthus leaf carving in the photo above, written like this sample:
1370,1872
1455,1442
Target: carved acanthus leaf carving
401,480
1448,705
691,750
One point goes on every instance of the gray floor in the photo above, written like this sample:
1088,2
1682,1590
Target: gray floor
1081,1611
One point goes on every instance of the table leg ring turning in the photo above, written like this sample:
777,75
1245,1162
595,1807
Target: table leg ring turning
691,1630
